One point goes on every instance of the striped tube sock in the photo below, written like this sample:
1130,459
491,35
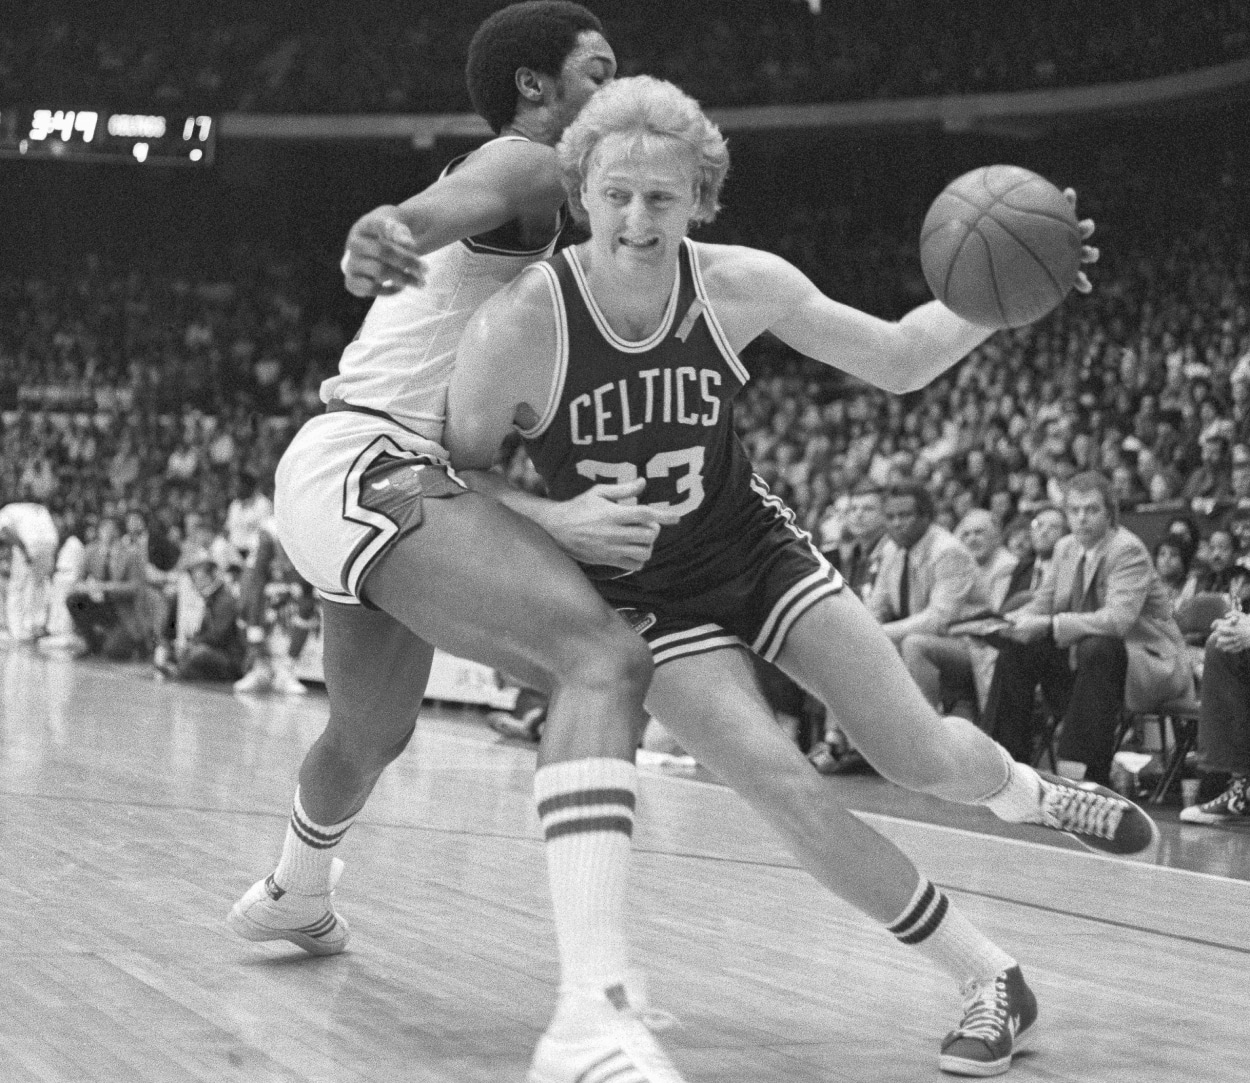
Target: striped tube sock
946,938
586,808
1019,799
304,867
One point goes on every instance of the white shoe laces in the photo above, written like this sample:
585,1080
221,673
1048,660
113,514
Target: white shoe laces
1081,811
985,1010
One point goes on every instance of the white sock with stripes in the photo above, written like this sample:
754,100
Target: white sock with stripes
587,812
304,868
1019,799
946,938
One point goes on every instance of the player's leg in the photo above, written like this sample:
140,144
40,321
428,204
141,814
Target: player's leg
376,672
839,652
485,584
713,705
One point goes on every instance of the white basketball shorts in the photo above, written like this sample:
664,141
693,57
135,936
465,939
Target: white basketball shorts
349,486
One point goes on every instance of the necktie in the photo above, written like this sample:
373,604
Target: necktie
904,587
1083,600
1037,575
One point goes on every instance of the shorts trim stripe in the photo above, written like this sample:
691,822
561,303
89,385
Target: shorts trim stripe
785,513
699,640
793,604
340,599
385,529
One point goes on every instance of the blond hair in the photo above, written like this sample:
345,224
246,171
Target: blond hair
647,107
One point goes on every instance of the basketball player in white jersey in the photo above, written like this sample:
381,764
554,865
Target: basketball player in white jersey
30,532
406,558
618,359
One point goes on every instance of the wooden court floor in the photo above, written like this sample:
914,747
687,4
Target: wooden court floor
132,814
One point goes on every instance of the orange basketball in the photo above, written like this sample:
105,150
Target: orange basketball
1000,246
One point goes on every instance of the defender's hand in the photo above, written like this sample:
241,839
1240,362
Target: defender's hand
381,257
606,525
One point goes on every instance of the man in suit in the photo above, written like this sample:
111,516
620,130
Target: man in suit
1046,527
1097,636
956,669
859,558
927,577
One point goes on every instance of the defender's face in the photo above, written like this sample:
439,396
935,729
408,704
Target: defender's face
590,65
639,195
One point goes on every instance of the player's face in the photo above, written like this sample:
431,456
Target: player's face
589,66
640,196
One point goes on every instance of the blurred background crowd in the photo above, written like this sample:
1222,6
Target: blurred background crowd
291,56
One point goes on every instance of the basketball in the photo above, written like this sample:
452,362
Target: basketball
1000,246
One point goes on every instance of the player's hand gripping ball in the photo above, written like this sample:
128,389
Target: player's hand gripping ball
1002,246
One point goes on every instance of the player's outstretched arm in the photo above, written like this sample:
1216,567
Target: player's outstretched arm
754,291
504,374
502,181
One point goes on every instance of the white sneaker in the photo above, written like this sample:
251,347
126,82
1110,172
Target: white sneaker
257,679
267,912
285,683
598,1035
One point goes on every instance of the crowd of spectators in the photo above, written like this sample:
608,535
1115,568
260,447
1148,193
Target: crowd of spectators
403,57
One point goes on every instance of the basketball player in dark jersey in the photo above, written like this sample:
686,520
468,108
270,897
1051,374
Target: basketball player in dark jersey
406,559
617,360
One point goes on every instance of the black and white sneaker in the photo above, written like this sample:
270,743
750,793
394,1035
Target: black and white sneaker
1233,805
1098,818
997,1022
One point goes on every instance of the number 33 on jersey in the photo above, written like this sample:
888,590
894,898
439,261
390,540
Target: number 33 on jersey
659,408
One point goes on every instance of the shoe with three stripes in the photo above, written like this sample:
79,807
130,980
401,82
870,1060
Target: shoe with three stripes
268,912
602,1035
997,1022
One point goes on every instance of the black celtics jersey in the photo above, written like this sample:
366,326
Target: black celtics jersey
659,409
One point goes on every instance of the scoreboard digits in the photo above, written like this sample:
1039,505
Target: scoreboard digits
91,135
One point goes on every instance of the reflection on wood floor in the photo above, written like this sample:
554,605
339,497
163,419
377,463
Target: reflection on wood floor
132,814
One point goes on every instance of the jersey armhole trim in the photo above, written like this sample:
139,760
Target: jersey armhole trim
713,324
562,351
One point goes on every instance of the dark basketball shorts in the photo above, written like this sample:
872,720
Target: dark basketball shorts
348,488
770,581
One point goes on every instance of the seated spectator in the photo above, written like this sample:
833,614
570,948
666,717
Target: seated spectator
1172,563
215,651
111,608
1221,568
955,669
1098,636
1046,527
1224,726
859,556
30,532
926,575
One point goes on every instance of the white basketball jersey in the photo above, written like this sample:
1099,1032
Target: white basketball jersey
400,363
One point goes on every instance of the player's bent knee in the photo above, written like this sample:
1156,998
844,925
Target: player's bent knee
608,654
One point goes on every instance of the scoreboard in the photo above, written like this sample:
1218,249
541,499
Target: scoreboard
96,135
